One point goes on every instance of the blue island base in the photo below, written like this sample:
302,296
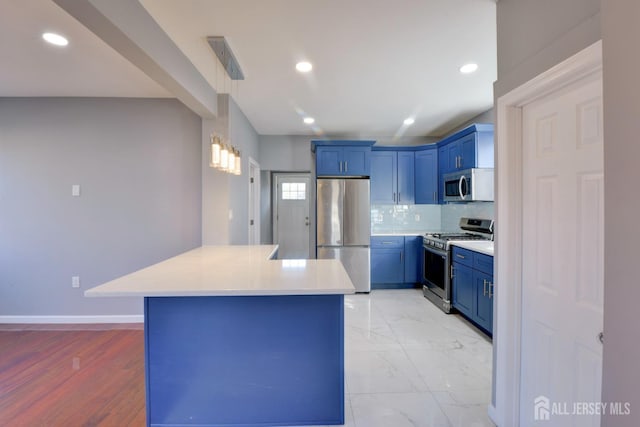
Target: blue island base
244,360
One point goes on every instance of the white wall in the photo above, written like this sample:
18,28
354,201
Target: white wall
621,57
289,153
138,164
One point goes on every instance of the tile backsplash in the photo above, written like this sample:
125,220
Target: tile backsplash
452,212
404,218
422,218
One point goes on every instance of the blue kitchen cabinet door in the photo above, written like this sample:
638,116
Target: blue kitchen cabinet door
412,255
328,161
467,151
454,154
406,178
483,304
462,289
426,176
387,265
383,177
356,161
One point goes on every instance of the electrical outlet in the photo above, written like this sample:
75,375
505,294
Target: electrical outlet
75,281
417,217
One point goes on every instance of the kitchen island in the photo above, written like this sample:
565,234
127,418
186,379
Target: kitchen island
233,337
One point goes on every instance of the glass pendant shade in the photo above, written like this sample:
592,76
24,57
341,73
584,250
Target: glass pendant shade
231,162
215,152
224,158
238,169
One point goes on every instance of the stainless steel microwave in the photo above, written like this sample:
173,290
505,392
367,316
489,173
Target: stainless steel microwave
470,185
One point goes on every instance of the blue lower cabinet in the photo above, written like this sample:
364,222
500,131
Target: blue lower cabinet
462,289
395,261
412,252
244,360
472,287
483,304
387,265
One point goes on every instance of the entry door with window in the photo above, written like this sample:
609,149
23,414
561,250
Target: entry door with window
292,223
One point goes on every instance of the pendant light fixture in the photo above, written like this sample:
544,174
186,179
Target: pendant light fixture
224,156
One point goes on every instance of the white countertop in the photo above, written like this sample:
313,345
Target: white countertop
231,271
482,246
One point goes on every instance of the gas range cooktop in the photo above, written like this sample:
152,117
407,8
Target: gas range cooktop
442,240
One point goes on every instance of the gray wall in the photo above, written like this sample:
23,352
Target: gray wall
285,153
535,35
245,138
225,197
621,376
138,164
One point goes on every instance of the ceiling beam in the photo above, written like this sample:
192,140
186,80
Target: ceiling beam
127,27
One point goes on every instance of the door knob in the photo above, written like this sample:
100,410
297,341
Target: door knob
600,337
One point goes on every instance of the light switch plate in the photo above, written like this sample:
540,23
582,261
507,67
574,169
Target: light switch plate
75,281
75,190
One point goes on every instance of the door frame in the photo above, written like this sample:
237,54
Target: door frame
509,227
255,167
274,201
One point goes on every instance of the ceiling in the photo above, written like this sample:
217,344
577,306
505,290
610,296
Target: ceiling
375,62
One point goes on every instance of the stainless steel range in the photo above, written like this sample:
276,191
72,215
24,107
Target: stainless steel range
436,267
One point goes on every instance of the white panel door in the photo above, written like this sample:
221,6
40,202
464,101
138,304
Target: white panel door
292,216
563,260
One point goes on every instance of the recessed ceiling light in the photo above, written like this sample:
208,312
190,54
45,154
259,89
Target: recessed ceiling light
304,66
309,120
468,68
55,39
409,121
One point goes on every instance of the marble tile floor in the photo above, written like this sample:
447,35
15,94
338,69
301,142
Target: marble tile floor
409,364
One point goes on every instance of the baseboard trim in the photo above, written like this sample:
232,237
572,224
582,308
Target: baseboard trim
130,318
491,411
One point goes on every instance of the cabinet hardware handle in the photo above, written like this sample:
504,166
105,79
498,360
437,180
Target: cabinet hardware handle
346,166
400,257
434,196
340,166
394,197
387,243
460,256
452,270
399,193
484,287
490,289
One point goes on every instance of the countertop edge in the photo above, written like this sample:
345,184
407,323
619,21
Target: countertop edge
473,247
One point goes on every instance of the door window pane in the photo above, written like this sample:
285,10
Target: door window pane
294,191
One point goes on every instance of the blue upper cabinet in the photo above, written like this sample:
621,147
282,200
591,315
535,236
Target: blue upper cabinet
406,178
384,166
328,160
342,158
357,161
426,176
472,147
392,177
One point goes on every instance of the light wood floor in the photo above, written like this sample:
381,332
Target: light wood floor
72,376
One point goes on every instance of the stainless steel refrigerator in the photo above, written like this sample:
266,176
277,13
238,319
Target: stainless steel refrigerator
344,226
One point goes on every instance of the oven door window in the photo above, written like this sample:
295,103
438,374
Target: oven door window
434,268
